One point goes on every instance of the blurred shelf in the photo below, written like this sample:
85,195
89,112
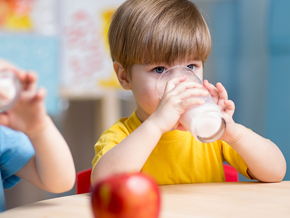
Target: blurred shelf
94,94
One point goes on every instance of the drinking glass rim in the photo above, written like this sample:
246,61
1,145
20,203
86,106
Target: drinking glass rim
176,66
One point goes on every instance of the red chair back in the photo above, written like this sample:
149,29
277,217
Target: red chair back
83,183
231,173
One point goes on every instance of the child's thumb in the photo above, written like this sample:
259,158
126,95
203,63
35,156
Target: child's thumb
40,95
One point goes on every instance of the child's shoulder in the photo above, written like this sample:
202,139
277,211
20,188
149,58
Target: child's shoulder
125,125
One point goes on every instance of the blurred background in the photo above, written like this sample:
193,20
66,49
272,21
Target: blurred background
65,42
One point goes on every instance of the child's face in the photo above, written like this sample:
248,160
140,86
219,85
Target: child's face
143,81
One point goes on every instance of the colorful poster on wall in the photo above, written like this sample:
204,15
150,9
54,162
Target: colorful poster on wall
29,39
86,63
32,16
15,14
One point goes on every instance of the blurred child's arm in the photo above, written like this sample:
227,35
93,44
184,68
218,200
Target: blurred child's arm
131,154
265,160
52,167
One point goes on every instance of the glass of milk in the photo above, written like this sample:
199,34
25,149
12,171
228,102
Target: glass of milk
10,88
205,122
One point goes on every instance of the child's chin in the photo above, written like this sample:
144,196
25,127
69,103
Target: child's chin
181,127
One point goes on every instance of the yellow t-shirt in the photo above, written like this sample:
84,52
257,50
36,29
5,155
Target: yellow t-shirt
178,158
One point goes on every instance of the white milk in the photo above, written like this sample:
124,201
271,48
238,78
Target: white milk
205,122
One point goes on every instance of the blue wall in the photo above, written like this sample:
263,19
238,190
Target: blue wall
40,54
250,56
278,92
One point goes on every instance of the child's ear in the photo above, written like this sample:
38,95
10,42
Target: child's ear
122,75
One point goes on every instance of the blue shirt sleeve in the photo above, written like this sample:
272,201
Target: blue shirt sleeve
15,151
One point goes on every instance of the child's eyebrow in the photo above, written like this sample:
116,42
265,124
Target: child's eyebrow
156,65
172,65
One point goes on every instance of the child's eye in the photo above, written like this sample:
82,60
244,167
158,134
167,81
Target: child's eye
159,70
191,66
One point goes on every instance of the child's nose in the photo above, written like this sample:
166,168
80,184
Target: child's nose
175,72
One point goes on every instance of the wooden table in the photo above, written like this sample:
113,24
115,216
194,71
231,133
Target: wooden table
242,199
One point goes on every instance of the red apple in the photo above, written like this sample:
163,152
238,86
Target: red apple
134,195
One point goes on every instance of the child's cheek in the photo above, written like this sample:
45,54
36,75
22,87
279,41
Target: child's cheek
149,98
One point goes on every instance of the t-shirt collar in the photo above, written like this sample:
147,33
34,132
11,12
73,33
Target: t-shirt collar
168,136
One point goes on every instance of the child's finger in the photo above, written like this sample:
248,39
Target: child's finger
230,107
40,95
186,85
186,103
223,94
29,86
174,82
192,92
208,86
211,89
30,82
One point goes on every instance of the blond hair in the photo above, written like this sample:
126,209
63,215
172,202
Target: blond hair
158,31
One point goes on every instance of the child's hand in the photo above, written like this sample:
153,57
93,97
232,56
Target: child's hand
178,96
29,114
227,107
